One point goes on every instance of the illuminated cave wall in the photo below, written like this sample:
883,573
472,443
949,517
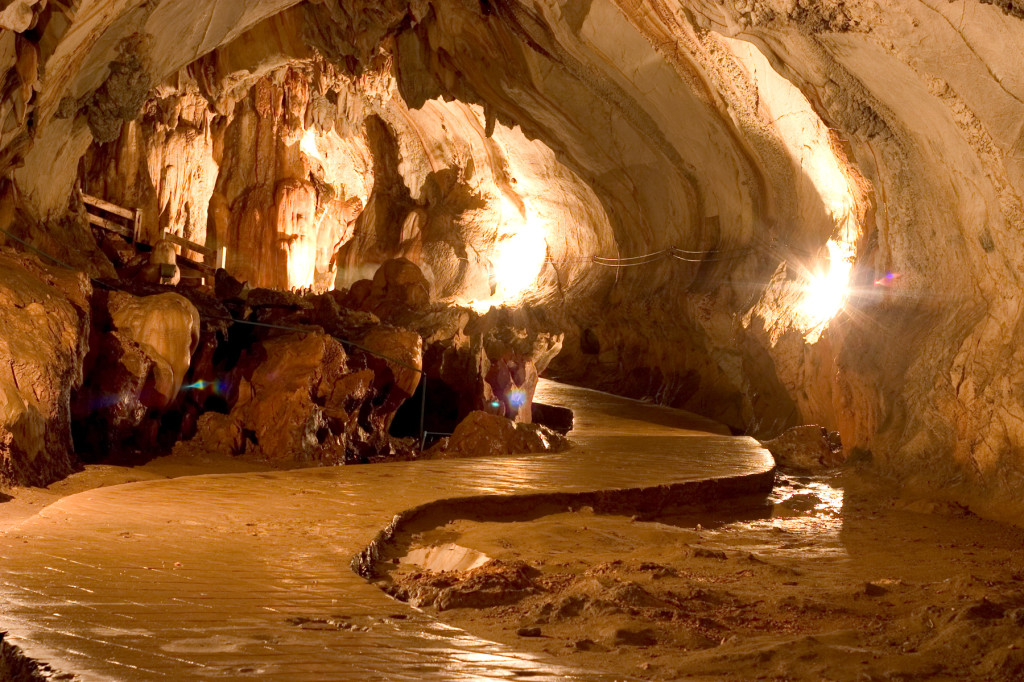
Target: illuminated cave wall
766,152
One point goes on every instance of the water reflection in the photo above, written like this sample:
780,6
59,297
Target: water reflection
803,516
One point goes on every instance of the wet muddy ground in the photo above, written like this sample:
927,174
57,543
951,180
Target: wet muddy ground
830,578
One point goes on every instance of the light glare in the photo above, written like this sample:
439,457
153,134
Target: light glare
517,257
826,292
308,146
518,253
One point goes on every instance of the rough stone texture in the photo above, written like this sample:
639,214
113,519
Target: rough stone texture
142,348
121,96
119,388
806,447
396,358
14,665
488,362
489,435
44,337
301,397
397,283
769,141
494,584
218,433
277,401
166,328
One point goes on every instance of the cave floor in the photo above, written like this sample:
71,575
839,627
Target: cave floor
832,577
249,574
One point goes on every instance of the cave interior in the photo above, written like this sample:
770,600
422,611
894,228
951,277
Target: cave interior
300,233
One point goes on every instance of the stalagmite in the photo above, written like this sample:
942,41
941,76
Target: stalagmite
166,326
162,267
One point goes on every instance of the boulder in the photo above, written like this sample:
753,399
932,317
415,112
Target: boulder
166,327
302,398
206,377
400,282
488,435
44,337
554,417
276,397
396,358
218,433
806,447
109,408
398,286
142,348
358,296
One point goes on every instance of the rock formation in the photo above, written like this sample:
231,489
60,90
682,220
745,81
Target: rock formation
166,328
806,447
487,435
473,361
162,266
44,337
140,350
772,212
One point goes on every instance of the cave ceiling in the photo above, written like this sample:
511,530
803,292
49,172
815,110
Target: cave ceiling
818,201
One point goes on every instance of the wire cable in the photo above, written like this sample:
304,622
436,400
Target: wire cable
635,258
629,265
726,256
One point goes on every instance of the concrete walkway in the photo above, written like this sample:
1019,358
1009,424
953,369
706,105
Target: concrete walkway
250,575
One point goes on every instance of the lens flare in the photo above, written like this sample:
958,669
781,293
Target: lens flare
104,401
220,387
517,399
826,291
889,278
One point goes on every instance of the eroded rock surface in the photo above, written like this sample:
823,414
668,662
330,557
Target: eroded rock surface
806,447
487,435
300,396
166,328
142,348
277,398
44,337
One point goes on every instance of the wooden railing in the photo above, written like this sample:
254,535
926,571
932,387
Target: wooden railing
214,258
134,215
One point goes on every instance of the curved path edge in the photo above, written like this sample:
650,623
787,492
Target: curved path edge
649,501
260,576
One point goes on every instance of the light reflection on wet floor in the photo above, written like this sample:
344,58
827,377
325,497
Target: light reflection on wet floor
802,519
240,575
